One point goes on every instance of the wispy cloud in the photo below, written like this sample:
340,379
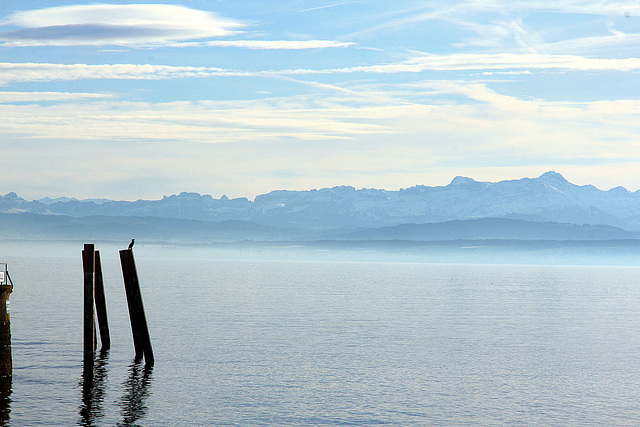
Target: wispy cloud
500,24
201,122
332,113
594,44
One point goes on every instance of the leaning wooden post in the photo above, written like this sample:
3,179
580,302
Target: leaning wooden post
139,329
6,287
101,304
130,275
88,261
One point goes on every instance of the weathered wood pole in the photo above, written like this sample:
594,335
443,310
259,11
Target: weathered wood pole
101,304
88,261
6,363
139,329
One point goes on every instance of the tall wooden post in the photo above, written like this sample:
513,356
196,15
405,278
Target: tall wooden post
101,304
139,329
6,363
88,261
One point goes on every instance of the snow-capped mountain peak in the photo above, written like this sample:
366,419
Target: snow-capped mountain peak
550,197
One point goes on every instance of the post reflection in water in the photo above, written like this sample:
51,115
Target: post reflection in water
93,384
5,401
133,405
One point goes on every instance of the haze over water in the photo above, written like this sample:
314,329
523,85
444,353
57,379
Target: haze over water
250,342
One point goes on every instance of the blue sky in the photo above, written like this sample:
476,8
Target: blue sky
136,100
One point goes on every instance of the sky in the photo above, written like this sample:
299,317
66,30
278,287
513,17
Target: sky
137,100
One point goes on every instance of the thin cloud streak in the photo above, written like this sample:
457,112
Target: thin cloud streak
510,61
26,72
34,72
268,44
467,62
328,6
11,97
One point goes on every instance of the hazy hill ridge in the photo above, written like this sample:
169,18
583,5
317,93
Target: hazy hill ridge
548,198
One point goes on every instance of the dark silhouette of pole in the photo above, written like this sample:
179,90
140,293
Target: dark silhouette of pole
139,329
101,304
88,262
6,361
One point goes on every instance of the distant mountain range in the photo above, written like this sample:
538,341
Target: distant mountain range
544,208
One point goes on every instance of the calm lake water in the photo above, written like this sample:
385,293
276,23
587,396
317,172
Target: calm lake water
300,343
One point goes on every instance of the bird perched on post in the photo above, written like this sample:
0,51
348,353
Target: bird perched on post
131,244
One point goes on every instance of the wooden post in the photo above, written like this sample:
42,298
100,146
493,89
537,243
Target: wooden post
141,339
101,305
130,275
6,363
88,261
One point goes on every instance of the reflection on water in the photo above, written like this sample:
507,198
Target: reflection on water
93,383
133,406
5,401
